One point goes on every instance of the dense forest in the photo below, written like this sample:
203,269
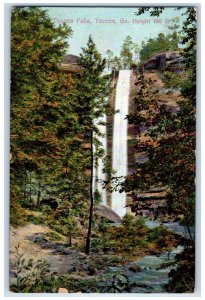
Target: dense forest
55,146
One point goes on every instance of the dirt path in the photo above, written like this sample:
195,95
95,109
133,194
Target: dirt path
18,236
26,238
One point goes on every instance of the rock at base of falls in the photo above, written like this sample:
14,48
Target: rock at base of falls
107,214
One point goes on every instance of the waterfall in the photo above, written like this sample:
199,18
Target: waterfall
119,148
99,172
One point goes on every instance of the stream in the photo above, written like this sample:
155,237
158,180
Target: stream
152,278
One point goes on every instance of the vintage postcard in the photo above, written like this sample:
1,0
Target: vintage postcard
102,149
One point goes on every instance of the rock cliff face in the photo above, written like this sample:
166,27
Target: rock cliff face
70,59
170,61
155,201
69,64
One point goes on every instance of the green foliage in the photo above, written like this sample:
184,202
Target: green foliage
162,237
124,238
65,221
130,221
167,165
69,227
97,197
80,285
154,11
109,59
92,88
126,55
99,244
127,59
30,275
17,215
189,211
156,233
46,137
182,279
117,283
39,103
132,237
46,209
161,43
103,225
35,219
34,95
53,236
173,80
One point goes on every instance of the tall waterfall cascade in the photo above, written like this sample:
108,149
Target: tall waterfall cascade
119,148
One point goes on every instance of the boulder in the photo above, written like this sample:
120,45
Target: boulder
135,268
107,213
175,64
37,238
171,61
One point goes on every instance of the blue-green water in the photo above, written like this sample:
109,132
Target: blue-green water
174,226
153,277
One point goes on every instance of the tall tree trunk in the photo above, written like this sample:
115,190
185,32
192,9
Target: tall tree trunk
24,191
189,231
87,247
39,195
70,239
30,187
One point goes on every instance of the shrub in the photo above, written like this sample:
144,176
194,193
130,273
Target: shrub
46,208
17,215
30,275
35,220
52,235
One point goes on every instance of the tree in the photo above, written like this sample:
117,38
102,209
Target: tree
170,146
161,43
92,88
109,58
126,53
44,124
168,165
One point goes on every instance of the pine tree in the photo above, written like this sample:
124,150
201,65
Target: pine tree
92,88
126,53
